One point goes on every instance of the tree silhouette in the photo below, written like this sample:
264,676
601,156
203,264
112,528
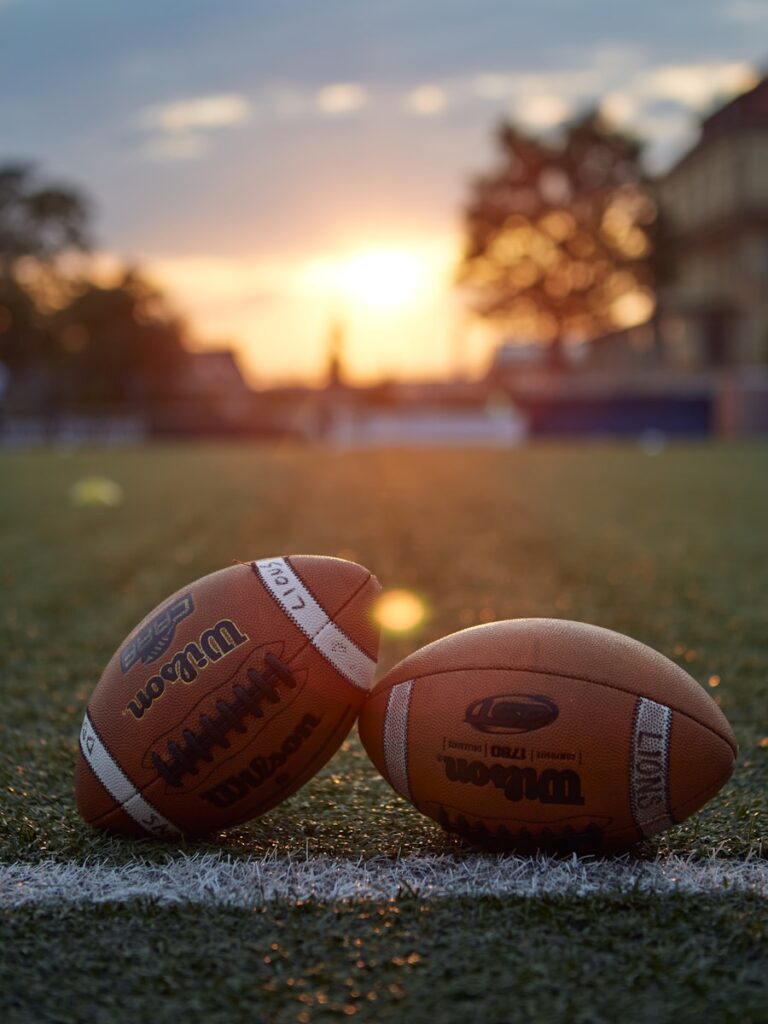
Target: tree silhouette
119,345
98,346
24,338
560,239
38,219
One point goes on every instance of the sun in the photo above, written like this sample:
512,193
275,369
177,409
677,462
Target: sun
377,279
382,278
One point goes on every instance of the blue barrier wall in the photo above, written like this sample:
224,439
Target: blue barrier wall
620,415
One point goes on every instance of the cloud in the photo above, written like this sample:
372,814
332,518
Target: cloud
492,85
630,93
200,112
341,98
693,85
180,130
426,100
660,103
616,80
620,107
542,111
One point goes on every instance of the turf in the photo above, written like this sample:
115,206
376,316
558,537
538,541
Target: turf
670,549
489,960
667,548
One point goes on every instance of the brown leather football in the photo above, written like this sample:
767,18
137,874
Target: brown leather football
543,733
228,697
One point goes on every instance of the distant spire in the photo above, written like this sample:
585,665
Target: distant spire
336,339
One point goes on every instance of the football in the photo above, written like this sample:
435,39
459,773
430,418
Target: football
228,697
547,734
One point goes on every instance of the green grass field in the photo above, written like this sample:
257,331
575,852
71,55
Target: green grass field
670,549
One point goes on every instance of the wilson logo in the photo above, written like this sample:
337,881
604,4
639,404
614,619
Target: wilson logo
185,665
511,713
551,786
260,769
155,638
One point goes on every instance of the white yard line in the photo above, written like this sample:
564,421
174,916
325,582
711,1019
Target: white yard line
212,879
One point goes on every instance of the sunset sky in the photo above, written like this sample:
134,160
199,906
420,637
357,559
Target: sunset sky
274,166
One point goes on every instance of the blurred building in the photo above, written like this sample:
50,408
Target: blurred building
211,397
714,313
215,375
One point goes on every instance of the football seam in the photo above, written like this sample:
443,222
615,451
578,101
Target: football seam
407,765
719,783
557,675
331,618
141,791
591,835
604,831
683,803
119,804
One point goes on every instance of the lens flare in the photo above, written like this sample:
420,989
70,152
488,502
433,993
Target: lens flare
399,611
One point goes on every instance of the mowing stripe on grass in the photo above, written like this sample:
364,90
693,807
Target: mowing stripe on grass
216,880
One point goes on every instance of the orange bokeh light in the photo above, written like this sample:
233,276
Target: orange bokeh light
399,611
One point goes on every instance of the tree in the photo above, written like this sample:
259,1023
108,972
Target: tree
38,219
23,335
69,341
560,239
119,344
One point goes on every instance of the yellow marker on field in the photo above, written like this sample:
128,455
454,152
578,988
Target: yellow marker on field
96,491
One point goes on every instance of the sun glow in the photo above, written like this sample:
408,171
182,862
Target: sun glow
391,295
375,279
383,278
